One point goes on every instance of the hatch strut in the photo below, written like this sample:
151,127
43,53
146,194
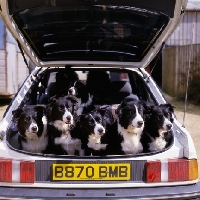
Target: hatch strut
19,45
157,57
188,72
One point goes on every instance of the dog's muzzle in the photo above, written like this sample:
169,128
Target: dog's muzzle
169,126
140,124
69,118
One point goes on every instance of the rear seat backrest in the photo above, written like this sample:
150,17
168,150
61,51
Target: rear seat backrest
50,91
98,86
119,90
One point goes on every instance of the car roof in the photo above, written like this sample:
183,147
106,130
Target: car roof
97,32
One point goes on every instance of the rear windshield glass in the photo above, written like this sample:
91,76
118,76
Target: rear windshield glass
94,32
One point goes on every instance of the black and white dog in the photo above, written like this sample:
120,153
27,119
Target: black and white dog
60,122
157,133
91,129
32,128
104,113
79,90
126,132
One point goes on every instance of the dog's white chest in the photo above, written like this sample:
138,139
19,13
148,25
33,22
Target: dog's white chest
94,142
157,144
131,144
68,143
36,145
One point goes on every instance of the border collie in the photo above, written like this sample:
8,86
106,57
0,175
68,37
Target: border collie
32,128
91,129
80,91
126,132
105,114
60,122
157,133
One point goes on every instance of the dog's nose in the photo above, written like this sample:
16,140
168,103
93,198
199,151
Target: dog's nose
140,123
169,126
100,130
70,91
68,117
34,128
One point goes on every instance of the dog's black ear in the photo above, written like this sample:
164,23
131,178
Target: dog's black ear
171,107
102,111
72,98
53,99
147,105
80,119
39,109
118,111
17,113
148,110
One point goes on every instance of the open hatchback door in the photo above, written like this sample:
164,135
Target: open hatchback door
92,32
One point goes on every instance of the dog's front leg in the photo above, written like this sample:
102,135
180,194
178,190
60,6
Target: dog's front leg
71,152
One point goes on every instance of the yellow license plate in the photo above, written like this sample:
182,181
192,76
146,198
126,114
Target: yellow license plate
62,172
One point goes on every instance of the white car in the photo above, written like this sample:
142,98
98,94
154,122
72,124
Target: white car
119,38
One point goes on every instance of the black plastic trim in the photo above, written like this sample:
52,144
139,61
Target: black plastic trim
175,192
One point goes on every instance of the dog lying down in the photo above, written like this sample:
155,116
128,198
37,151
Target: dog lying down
32,128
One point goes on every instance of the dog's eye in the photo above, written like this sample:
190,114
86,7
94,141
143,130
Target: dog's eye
92,122
140,111
159,117
168,116
27,119
99,120
60,108
132,112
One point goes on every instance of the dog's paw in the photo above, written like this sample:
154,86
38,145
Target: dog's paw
103,146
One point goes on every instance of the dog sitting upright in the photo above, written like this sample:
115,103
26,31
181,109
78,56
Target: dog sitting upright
80,91
126,132
91,129
32,128
60,122
104,113
157,133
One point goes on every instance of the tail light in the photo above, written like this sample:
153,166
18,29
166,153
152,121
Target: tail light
27,172
153,169
17,171
172,170
5,170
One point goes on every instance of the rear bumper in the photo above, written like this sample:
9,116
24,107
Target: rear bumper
176,192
